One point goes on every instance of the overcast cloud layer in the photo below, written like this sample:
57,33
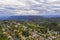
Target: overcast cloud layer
29,7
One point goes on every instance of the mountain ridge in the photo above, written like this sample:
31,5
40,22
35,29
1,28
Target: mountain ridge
29,17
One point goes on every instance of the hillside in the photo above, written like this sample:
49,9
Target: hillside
24,30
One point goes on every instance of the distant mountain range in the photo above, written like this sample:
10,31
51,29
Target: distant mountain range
26,18
23,18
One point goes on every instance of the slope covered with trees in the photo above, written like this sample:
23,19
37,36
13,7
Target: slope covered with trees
24,30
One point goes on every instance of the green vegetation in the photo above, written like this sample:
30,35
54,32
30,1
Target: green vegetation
21,30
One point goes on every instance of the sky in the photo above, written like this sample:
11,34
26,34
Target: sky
29,7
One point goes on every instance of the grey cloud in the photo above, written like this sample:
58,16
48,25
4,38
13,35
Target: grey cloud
38,6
